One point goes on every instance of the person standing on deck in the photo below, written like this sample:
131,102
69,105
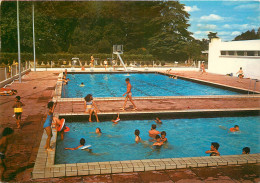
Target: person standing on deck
128,94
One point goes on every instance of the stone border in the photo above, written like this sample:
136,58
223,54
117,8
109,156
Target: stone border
45,168
58,91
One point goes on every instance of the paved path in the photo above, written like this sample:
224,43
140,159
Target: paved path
38,88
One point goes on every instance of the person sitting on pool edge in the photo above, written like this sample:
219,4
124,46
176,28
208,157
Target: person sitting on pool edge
90,107
213,149
137,137
246,150
153,132
158,141
234,129
116,119
163,137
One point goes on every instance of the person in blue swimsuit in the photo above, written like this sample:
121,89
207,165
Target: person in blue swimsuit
47,124
90,107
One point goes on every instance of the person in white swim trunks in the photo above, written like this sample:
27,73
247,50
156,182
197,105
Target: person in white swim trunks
128,94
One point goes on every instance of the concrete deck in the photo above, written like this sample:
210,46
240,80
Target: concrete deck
37,89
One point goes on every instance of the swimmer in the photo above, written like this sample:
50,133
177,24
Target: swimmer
90,107
128,94
81,85
66,72
4,141
137,137
234,129
213,149
153,132
18,110
82,143
246,150
65,80
116,119
202,67
240,75
158,141
163,137
158,120
98,131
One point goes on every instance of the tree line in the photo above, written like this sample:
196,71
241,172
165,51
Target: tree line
158,28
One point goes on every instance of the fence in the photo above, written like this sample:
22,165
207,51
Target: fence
9,72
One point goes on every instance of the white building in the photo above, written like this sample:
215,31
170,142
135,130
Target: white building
228,57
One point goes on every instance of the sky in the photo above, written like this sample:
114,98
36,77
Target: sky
228,18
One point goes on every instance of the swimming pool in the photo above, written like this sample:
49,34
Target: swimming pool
186,138
145,84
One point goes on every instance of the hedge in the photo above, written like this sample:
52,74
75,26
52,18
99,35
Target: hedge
9,57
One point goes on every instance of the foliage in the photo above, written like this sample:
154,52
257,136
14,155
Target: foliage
249,35
212,35
149,30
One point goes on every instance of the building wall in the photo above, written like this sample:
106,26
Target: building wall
225,64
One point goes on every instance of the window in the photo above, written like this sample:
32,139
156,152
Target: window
231,53
250,53
258,53
223,53
240,53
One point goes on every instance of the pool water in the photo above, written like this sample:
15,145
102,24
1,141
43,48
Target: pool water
186,138
113,85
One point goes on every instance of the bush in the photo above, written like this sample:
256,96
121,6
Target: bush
163,63
45,62
157,63
128,63
39,62
118,62
82,63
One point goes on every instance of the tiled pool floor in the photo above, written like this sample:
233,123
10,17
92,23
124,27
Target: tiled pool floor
38,88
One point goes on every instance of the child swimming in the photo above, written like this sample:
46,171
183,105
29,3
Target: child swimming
213,149
246,150
234,129
116,119
82,143
158,120
90,107
163,137
81,85
137,137
18,110
153,132
158,141
98,131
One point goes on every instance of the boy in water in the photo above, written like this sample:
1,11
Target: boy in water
116,119
163,137
128,94
246,150
18,110
82,143
153,132
213,149
158,141
6,136
98,131
234,129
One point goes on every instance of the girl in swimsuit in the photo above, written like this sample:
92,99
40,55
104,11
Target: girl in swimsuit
90,107
137,137
47,124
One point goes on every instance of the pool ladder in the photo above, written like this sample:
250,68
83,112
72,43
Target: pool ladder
248,91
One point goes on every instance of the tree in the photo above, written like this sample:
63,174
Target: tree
212,35
248,35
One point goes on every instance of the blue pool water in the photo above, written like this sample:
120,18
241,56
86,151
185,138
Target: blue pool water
186,138
113,85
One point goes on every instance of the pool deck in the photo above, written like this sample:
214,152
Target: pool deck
37,89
